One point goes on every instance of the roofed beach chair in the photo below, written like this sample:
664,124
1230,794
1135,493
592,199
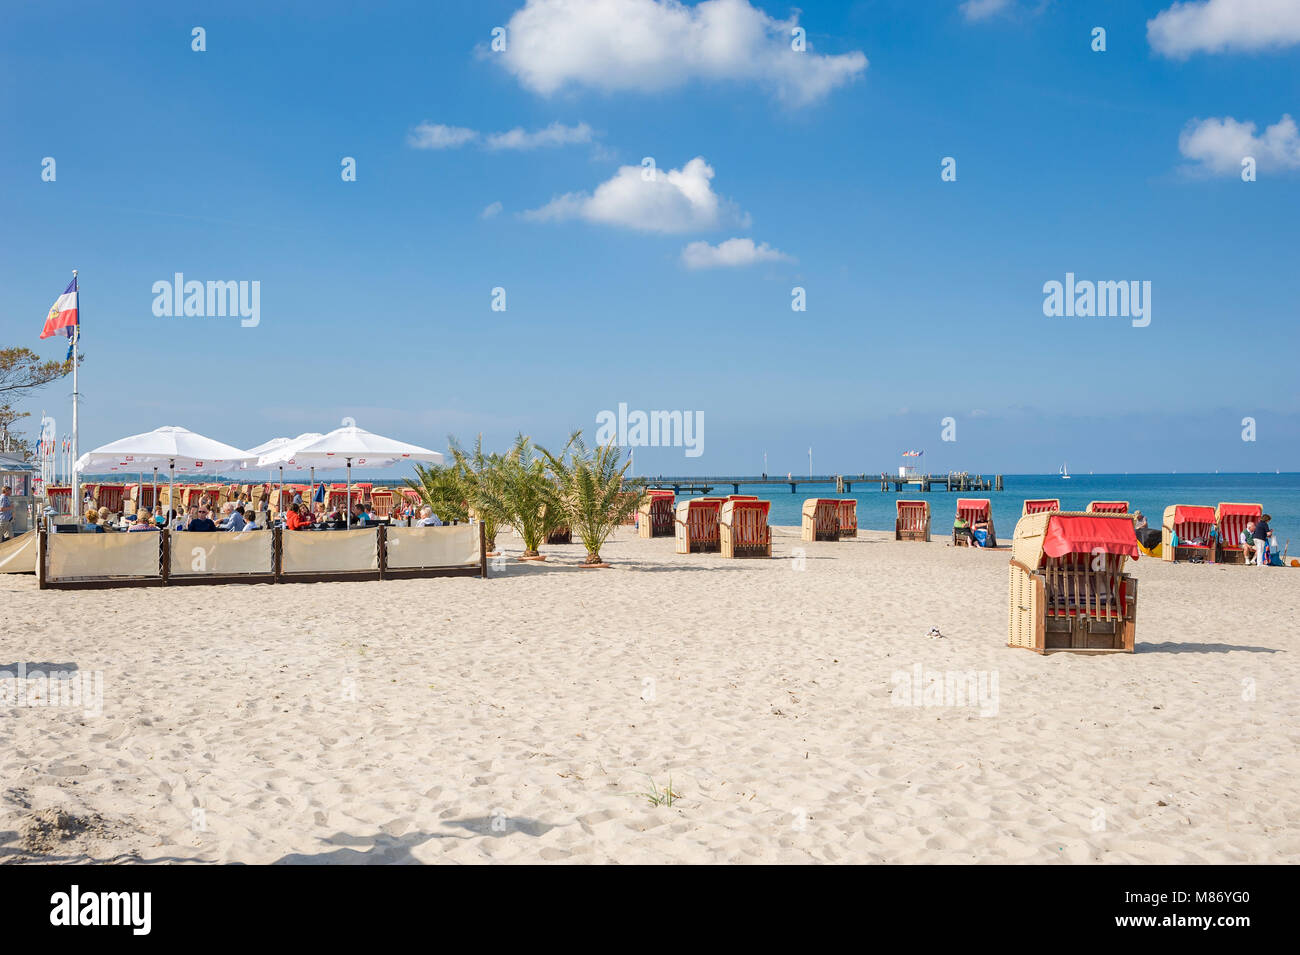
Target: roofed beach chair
1194,527
821,519
1068,589
1107,507
743,530
848,517
560,535
1042,504
381,502
697,526
655,515
1231,520
912,522
974,510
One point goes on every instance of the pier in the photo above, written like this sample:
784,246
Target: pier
960,481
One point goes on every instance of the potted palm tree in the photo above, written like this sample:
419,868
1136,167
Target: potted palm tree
481,473
523,495
443,488
594,491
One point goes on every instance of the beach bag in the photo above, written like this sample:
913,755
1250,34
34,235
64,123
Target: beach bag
982,537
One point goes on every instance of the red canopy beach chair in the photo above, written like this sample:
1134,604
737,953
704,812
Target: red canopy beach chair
1196,529
912,521
1231,520
743,529
1107,507
698,531
1042,504
820,519
1068,589
974,510
655,515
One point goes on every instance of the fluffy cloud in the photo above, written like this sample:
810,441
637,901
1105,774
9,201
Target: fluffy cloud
983,9
734,253
436,136
556,134
1213,26
1219,145
649,45
491,210
668,201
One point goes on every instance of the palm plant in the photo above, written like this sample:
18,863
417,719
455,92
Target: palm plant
522,495
443,488
481,474
593,490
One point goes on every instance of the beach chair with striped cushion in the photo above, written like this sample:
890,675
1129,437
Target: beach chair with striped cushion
1107,507
975,510
697,526
912,521
381,502
1068,589
1041,504
655,515
848,517
1231,520
743,530
1196,530
821,519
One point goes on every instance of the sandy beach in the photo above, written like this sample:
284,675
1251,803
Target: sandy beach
518,719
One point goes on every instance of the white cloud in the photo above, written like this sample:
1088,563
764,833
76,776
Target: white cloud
983,9
491,210
1214,26
1219,145
674,200
556,134
734,253
437,136
650,45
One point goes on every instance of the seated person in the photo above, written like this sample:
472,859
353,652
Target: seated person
235,522
92,522
143,521
1247,541
202,521
298,518
961,527
428,518
980,534
251,524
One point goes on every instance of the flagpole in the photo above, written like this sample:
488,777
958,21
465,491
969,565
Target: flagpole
76,335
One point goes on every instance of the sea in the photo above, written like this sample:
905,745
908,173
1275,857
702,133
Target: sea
1279,494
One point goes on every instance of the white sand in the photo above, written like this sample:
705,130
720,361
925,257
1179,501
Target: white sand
463,720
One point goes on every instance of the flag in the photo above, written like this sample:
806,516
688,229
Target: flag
63,313
913,454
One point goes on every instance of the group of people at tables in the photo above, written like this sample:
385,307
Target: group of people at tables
243,515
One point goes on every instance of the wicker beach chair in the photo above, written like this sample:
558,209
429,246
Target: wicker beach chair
655,515
848,517
743,530
1068,589
1107,507
912,521
821,519
1189,522
560,535
1042,504
381,501
1231,520
974,510
697,526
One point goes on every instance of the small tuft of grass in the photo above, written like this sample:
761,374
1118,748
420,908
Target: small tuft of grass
657,798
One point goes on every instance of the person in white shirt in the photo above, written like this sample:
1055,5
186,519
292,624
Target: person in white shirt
428,518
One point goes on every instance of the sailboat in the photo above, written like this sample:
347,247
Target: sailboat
1065,472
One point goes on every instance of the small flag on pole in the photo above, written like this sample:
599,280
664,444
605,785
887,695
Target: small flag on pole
63,314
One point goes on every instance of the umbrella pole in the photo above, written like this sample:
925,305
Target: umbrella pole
349,524
171,495
155,490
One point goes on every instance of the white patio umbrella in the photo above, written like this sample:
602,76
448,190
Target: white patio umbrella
352,446
268,450
176,449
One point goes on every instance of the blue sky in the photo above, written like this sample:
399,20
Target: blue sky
924,297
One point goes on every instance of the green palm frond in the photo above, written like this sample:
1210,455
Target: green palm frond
594,490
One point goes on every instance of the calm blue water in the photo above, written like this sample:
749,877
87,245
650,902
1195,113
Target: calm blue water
1149,493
